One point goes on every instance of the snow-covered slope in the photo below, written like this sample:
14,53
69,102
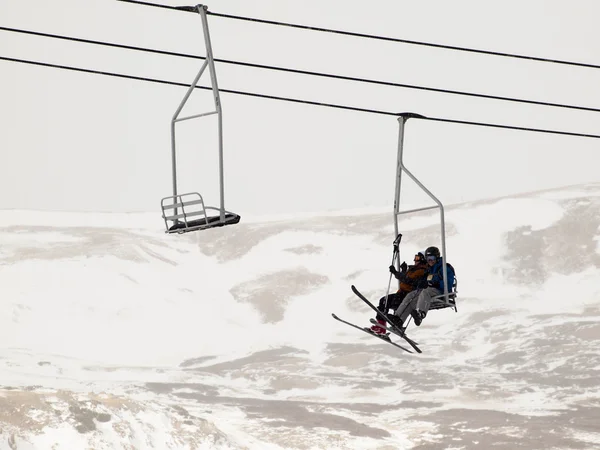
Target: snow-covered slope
114,335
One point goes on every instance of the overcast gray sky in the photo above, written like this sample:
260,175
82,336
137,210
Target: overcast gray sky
82,142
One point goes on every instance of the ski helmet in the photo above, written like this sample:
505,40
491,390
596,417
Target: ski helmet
419,257
432,251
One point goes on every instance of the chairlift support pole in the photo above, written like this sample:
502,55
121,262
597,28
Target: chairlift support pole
215,89
400,168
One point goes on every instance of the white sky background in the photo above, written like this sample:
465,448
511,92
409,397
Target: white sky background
83,142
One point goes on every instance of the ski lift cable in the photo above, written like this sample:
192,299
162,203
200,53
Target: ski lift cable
377,37
301,101
305,72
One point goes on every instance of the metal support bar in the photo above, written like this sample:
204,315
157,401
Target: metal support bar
427,208
215,89
400,168
196,116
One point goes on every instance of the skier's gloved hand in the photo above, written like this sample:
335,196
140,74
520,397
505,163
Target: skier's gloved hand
403,267
435,281
393,270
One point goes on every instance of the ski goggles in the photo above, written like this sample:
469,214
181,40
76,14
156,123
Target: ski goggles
431,258
418,258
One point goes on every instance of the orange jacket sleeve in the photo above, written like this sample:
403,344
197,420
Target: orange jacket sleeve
412,278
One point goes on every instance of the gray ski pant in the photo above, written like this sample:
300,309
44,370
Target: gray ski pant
418,299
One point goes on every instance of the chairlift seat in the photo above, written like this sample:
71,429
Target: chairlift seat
186,212
440,301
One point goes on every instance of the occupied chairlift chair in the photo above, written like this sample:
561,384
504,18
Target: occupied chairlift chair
187,212
447,299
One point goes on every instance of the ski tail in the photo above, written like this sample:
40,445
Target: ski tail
371,334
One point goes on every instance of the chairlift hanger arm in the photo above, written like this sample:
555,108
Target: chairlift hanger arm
401,168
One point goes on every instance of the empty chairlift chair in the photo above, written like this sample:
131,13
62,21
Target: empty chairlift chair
187,212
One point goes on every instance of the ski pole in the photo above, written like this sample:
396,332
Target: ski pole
387,292
395,255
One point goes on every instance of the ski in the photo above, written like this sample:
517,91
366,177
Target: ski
371,334
392,327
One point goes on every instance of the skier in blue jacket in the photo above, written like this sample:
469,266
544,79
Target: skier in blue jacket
417,302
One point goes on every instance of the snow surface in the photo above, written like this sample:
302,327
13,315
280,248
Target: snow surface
116,335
